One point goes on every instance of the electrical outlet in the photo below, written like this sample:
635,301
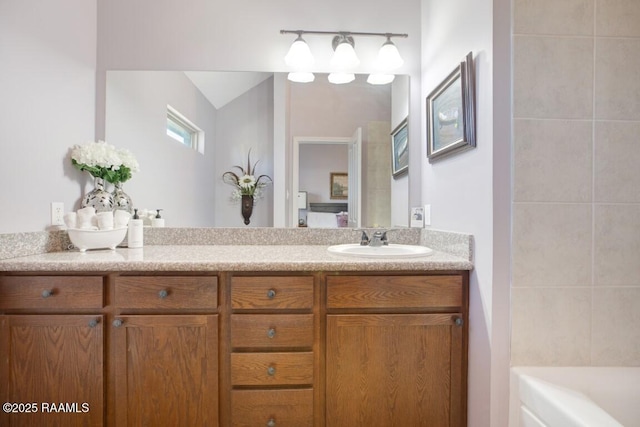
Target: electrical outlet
57,213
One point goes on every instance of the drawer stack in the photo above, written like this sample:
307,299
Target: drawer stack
272,360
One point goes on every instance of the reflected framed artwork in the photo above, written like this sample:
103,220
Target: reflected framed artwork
400,150
451,113
339,185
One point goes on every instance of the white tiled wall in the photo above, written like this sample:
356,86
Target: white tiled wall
576,195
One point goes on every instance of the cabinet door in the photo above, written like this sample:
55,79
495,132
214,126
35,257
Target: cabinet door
51,370
394,370
166,370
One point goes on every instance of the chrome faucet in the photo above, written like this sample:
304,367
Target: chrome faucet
378,238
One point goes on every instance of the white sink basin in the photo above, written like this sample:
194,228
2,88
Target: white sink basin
389,251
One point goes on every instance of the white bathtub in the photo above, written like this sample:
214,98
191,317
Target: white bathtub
575,397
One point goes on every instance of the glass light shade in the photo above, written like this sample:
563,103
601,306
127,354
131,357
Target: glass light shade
299,55
301,77
388,57
380,79
344,56
341,78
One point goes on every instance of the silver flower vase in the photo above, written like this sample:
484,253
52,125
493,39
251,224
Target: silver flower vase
99,198
121,200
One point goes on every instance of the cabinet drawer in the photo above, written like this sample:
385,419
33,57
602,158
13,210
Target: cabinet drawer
272,292
51,292
394,291
272,330
283,408
167,292
271,368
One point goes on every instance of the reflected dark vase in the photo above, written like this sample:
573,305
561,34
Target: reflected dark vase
247,208
121,199
98,198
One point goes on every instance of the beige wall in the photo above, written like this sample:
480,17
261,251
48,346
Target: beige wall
576,195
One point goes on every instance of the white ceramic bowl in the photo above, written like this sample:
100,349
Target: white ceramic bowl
96,239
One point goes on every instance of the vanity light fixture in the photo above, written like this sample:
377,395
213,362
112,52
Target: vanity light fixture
299,55
388,57
380,79
344,58
341,78
301,60
301,77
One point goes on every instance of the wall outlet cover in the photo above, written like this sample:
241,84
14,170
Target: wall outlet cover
57,213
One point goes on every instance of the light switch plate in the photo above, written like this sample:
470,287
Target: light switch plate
427,215
417,217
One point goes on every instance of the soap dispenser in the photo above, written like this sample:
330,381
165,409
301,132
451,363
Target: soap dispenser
158,221
135,233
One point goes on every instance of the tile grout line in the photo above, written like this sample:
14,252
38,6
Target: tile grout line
593,186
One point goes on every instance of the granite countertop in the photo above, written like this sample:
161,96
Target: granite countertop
233,249
226,258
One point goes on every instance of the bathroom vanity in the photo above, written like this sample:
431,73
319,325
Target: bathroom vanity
233,336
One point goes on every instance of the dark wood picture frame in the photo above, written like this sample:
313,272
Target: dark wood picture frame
400,149
451,113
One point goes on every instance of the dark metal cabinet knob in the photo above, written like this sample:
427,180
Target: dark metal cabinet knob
47,293
271,333
93,323
271,371
271,294
117,323
163,294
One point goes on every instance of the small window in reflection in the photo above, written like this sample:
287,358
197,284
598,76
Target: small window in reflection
180,128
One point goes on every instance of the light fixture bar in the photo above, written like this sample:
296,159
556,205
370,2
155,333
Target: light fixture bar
343,33
344,58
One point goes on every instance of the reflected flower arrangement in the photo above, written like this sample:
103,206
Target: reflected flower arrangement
245,181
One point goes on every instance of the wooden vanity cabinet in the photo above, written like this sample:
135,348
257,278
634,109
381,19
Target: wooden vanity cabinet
165,338
396,350
272,360
235,349
52,350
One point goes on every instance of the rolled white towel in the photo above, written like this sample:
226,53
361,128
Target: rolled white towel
86,218
71,220
105,220
121,218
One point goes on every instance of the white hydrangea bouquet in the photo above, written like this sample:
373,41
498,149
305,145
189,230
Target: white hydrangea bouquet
246,182
104,161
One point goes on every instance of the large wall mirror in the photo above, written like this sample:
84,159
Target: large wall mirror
233,113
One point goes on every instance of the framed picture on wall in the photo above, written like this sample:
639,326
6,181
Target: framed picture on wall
400,150
339,185
451,113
